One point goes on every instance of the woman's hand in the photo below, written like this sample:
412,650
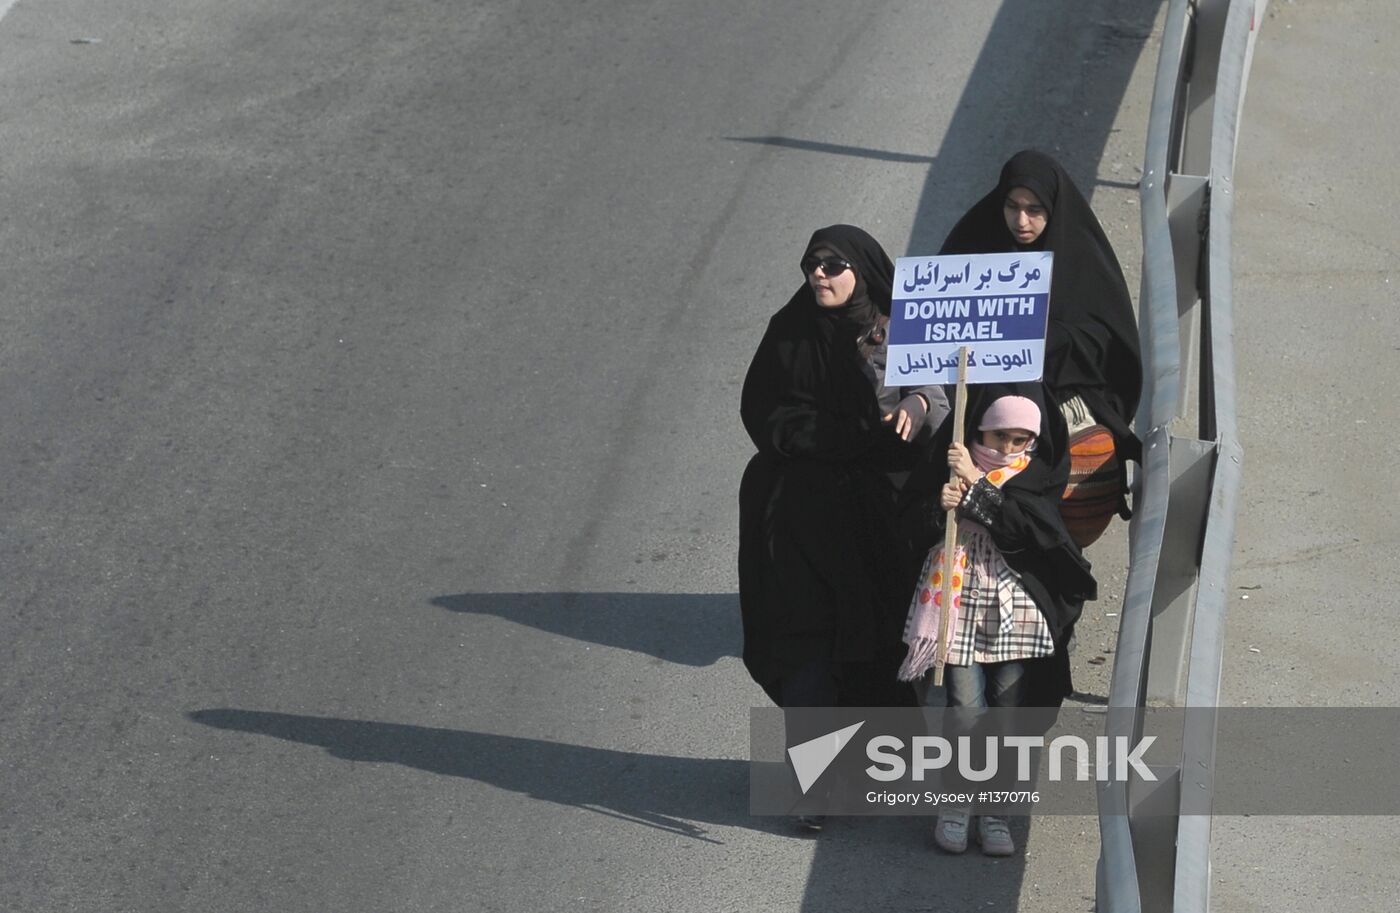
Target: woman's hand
952,494
960,461
909,415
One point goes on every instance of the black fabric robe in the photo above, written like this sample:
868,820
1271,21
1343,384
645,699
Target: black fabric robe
1091,345
818,568
1029,532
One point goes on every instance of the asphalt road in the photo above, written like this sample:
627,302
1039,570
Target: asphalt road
369,444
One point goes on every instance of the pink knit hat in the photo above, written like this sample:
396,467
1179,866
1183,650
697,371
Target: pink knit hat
1012,412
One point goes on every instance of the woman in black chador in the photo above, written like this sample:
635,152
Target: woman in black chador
1093,363
819,582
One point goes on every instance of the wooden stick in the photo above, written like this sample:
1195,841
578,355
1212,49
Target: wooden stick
950,535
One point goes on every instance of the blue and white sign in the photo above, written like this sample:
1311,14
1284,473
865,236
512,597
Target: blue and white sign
995,304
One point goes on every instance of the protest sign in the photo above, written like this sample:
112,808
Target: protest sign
995,305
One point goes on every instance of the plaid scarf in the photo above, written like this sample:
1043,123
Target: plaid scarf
926,607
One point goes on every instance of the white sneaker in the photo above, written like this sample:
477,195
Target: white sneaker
994,835
950,833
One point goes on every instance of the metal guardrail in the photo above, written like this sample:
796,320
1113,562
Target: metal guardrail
1171,634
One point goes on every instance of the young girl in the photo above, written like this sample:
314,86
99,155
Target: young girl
1019,581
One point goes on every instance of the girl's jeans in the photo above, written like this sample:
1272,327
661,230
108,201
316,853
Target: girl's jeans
977,687
984,685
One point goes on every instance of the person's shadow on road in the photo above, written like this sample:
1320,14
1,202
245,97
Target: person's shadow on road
674,794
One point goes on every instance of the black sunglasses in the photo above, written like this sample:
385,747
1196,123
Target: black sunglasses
832,266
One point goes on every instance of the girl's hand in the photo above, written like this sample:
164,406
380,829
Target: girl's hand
960,461
952,494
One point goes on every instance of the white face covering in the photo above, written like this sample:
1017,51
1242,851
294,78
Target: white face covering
988,459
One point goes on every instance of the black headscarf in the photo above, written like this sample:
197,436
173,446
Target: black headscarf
873,269
1091,346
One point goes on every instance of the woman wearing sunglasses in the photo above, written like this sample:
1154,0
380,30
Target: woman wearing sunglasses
818,583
